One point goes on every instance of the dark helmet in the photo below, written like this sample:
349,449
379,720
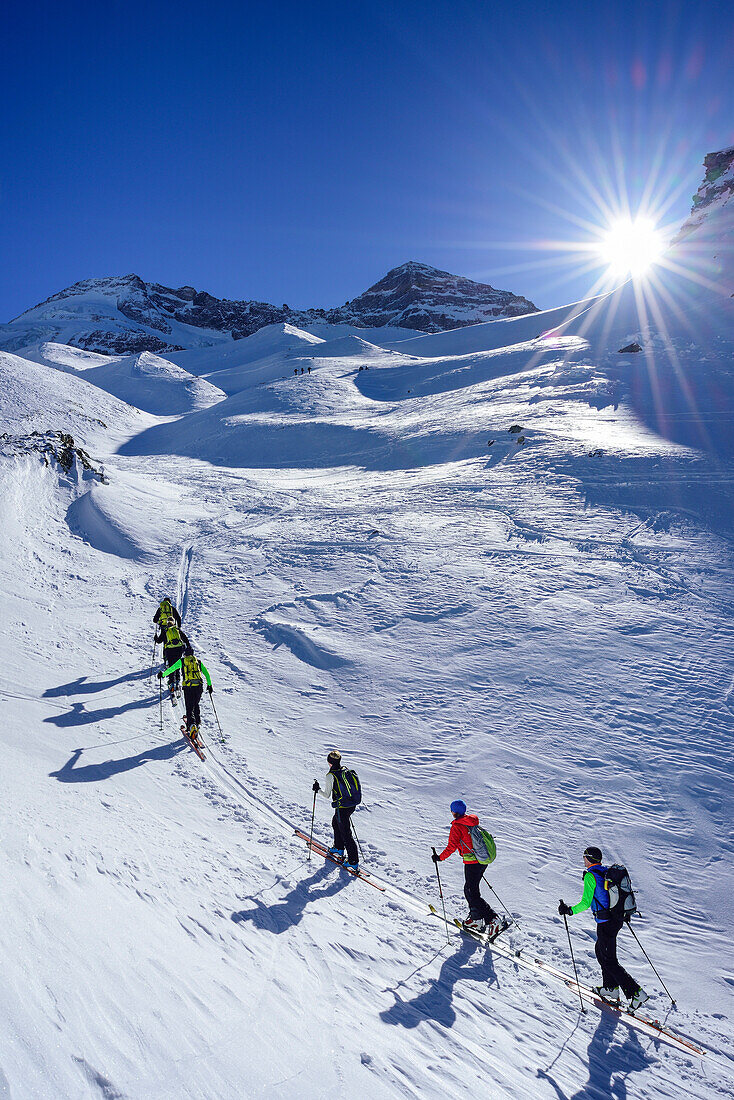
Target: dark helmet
593,854
334,757
458,807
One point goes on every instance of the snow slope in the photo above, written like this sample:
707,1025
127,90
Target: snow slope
154,384
541,626
35,398
65,357
265,356
147,381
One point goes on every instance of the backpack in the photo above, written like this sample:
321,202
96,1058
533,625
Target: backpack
173,638
347,789
483,844
191,672
165,614
621,895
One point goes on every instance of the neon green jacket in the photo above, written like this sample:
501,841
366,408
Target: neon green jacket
177,666
589,887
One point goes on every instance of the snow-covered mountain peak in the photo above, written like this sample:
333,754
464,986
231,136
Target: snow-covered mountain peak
125,315
418,296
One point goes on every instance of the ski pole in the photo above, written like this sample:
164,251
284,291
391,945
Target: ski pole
652,964
152,661
221,735
359,846
160,700
499,899
575,972
440,894
313,814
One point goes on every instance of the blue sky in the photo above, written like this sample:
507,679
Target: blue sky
296,152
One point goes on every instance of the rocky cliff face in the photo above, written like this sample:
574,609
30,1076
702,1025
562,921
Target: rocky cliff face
125,315
715,191
421,297
704,245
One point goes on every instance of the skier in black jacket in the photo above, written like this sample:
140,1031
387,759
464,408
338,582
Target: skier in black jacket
167,613
337,788
174,643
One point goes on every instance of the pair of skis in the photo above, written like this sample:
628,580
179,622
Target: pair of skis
640,1022
194,739
475,933
321,850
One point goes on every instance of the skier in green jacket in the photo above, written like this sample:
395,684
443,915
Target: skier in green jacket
191,669
608,926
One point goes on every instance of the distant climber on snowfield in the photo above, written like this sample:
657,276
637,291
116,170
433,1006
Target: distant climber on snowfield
343,788
174,643
482,917
167,613
191,669
608,925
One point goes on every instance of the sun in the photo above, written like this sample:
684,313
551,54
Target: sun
631,246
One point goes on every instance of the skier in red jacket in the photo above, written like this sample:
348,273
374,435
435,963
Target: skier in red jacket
482,917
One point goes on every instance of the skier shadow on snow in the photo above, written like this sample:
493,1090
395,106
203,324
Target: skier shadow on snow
289,912
84,687
436,1002
608,1066
95,773
78,716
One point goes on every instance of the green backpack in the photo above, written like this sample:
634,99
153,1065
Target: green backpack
483,844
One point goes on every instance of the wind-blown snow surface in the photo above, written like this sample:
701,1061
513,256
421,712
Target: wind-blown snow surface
540,627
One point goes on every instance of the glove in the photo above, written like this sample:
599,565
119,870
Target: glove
316,788
160,675
210,689
435,857
564,910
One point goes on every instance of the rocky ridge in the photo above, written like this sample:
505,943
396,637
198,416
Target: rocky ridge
126,315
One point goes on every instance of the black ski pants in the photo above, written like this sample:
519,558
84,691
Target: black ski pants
479,909
343,836
170,656
192,698
613,974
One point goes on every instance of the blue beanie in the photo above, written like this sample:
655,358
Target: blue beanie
458,807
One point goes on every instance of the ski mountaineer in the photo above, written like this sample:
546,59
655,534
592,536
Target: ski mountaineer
174,643
191,669
167,613
482,917
608,926
337,787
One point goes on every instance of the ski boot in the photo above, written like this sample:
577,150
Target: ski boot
474,924
353,867
496,927
337,854
638,998
610,996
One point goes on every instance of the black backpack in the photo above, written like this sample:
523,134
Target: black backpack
617,883
347,789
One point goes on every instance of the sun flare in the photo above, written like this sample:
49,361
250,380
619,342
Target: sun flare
631,246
